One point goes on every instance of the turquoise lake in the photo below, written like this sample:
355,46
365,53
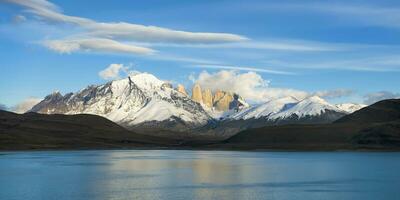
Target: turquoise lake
181,174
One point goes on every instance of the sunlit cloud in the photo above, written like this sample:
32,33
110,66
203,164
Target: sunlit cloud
240,68
113,71
337,93
249,85
95,44
25,105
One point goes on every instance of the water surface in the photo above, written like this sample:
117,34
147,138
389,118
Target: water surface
168,174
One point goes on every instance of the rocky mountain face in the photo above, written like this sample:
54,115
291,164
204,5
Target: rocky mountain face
180,88
220,100
196,94
208,98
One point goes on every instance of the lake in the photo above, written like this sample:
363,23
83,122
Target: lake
173,174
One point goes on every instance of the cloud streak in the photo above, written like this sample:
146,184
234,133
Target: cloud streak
95,44
240,68
368,63
122,37
279,45
337,93
123,30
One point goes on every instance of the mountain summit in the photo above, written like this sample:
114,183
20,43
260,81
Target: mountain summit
138,99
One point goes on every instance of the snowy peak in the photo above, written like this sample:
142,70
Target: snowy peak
350,107
266,109
146,81
288,107
142,81
314,99
310,106
130,101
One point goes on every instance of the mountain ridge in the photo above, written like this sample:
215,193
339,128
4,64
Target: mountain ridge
378,128
375,127
144,103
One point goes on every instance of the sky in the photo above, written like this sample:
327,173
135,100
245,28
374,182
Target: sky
343,51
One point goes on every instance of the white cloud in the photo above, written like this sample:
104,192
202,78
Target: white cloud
94,44
249,85
277,44
241,68
366,63
25,105
337,93
254,88
158,34
378,96
113,71
289,45
126,31
35,4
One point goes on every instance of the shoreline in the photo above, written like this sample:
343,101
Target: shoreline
396,149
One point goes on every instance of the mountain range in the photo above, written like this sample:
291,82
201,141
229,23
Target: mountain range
375,127
145,104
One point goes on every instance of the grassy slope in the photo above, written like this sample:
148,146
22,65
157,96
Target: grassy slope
38,131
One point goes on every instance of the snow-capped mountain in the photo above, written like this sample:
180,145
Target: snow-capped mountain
286,110
144,103
131,101
350,107
310,106
290,110
266,109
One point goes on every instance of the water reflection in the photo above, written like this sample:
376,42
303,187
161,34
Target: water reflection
198,175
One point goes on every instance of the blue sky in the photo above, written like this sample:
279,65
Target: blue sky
345,50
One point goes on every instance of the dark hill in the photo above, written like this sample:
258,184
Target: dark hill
40,131
374,127
382,111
